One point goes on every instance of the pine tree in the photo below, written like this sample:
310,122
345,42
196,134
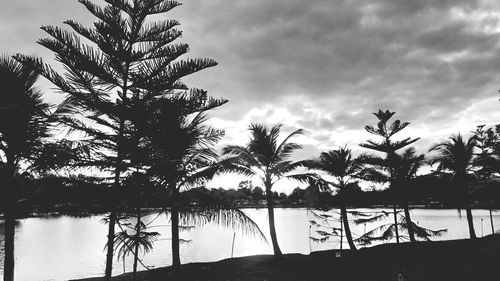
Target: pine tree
125,59
385,168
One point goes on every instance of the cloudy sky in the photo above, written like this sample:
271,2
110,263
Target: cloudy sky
324,66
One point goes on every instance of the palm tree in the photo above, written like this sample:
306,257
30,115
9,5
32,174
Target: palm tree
266,158
139,240
456,156
24,129
343,167
127,56
386,164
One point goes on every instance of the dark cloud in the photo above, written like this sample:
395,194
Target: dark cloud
327,64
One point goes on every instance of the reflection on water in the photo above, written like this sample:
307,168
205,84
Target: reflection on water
62,248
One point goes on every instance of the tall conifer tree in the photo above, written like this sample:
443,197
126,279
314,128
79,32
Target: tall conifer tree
386,168
124,59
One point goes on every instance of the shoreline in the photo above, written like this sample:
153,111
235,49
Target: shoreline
463,259
85,213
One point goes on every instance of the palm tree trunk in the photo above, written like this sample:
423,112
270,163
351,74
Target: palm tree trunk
341,232
9,224
409,223
348,234
470,221
174,213
468,212
272,228
176,260
136,250
396,222
9,227
491,221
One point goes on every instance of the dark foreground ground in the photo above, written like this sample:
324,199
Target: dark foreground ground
448,260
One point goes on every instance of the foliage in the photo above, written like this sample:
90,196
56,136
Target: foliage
126,242
387,231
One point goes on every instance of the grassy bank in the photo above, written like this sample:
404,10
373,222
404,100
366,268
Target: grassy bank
445,260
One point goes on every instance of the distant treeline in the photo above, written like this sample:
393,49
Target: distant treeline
82,195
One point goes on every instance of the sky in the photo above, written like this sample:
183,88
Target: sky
323,66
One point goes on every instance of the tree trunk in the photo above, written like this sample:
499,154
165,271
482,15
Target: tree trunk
9,226
272,228
468,212
409,223
174,217
491,221
110,245
112,215
136,250
341,232
348,234
396,222
10,203
470,221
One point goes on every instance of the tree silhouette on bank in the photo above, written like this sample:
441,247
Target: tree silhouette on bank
25,125
266,158
344,168
385,169
456,156
131,58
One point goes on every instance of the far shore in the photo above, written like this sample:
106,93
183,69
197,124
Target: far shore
462,260
86,213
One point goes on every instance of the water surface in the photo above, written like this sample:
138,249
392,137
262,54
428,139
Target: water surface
61,248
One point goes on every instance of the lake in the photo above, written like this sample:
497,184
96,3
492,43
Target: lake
61,248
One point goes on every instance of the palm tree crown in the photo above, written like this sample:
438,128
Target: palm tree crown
457,156
264,156
24,114
338,163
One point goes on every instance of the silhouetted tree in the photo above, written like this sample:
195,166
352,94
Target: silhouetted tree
131,58
343,168
24,130
133,243
180,156
404,171
488,158
267,159
456,156
387,165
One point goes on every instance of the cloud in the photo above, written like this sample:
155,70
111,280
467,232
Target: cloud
325,66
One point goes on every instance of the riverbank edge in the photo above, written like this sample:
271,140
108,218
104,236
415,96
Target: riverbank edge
86,213
462,259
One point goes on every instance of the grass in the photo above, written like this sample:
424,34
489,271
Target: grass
466,260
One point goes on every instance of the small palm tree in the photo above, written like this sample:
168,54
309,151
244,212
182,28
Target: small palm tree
266,158
456,156
24,129
138,240
343,167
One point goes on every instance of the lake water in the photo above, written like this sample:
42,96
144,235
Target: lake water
62,248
